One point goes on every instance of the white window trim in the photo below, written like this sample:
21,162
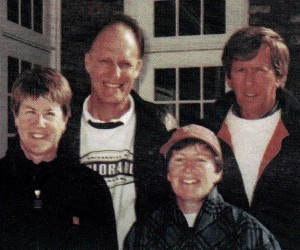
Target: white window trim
19,42
184,43
49,41
181,51
185,59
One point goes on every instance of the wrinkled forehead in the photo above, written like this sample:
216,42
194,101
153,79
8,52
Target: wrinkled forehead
34,97
195,150
39,102
115,34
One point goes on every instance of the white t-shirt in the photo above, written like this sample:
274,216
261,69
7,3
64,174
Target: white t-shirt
110,153
250,139
191,218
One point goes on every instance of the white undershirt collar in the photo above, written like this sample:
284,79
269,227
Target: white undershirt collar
124,118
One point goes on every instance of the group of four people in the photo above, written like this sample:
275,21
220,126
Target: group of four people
141,173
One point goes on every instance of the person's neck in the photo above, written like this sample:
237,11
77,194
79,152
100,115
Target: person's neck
253,116
107,111
38,158
189,207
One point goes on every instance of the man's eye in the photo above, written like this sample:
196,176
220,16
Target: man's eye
178,160
29,112
260,69
125,65
50,114
104,62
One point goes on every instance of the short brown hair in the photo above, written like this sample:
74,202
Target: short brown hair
42,82
245,43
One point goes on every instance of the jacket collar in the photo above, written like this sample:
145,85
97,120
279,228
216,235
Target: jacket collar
272,149
286,102
212,206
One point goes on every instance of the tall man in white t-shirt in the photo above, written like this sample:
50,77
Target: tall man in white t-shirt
119,133
258,123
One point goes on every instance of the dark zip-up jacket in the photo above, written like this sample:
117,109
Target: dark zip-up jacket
218,225
151,132
276,198
53,205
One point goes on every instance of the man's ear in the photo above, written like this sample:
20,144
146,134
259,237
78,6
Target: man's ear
228,81
87,61
139,67
16,119
168,176
65,125
280,81
218,177
66,117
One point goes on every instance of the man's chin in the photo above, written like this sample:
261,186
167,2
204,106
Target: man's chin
42,150
115,99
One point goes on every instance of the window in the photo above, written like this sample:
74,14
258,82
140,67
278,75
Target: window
27,13
188,92
30,36
184,42
189,17
15,66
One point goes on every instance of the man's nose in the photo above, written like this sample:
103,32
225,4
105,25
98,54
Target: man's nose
116,71
41,121
249,79
188,166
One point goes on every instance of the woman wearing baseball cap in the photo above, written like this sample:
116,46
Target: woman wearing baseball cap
196,216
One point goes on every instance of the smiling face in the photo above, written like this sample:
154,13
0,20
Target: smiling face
40,125
255,83
113,64
192,173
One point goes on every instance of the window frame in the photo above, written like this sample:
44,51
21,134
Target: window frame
26,45
174,60
236,8
202,50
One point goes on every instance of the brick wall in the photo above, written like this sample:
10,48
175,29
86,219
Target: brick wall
77,17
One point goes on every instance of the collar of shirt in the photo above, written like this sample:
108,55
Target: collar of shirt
124,118
236,110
